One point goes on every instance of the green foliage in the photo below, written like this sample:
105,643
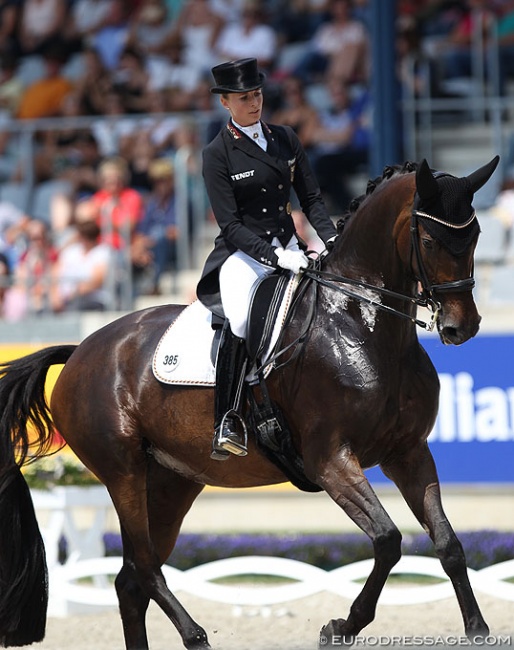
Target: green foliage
58,469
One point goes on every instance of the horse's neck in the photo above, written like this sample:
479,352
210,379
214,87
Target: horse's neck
363,253
367,251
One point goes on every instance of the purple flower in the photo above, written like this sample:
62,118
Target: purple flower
327,551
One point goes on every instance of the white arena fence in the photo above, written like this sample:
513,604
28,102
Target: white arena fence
65,591
84,583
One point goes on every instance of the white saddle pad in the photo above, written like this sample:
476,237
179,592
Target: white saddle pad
183,355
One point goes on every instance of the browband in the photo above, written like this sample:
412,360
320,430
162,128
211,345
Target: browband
448,224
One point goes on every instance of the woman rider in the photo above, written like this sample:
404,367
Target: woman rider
249,170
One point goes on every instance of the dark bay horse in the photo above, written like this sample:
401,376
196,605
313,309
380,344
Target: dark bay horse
360,391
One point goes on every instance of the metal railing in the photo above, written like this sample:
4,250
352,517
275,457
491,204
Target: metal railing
478,98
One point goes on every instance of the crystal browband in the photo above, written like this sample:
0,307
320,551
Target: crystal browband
418,213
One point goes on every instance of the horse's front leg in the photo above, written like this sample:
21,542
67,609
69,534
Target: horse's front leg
343,479
415,475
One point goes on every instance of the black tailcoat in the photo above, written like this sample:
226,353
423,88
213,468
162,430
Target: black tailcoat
249,191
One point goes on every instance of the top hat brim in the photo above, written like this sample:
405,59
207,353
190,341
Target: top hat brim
218,90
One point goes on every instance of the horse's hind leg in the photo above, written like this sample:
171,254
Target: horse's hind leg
343,479
416,477
150,528
133,602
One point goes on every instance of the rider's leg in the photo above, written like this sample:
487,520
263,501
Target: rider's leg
230,432
238,276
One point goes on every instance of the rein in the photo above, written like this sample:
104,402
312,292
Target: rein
331,280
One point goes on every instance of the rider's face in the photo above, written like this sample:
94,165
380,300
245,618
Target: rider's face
245,108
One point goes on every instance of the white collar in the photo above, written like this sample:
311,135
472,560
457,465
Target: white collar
255,133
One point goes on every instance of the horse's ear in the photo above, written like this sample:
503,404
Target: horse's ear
426,184
481,176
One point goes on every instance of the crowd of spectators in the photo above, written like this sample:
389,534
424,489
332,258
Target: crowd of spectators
140,71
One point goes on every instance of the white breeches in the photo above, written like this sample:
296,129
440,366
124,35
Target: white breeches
238,277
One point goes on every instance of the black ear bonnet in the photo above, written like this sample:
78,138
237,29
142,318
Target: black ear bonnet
453,205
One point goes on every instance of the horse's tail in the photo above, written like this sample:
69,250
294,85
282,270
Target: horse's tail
23,570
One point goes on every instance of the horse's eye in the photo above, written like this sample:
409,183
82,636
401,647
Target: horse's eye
427,242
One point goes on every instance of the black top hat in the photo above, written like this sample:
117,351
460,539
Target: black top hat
237,76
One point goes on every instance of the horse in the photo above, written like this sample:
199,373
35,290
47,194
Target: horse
356,388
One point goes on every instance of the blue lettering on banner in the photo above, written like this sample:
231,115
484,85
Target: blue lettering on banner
473,438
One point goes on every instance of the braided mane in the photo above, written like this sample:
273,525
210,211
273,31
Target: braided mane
388,172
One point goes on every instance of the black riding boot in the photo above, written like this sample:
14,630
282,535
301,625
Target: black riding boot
230,375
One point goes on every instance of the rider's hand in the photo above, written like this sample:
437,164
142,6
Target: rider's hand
292,260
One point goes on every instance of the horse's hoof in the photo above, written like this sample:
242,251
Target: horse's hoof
198,642
333,635
480,630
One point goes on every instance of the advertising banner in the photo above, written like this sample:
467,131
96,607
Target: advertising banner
473,439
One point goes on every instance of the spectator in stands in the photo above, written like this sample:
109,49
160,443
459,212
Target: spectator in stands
34,270
453,52
155,136
294,108
5,282
13,225
198,27
59,150
151,29
339,142
228,10
213,117
44,97
138,141
297,20
11,90
11,86
339,48
114,132
11,309
174,76
41,22
81,274
94,85
85,18
505,36
250,37
155,240
130,80
9,17
119,207
111,38
415,71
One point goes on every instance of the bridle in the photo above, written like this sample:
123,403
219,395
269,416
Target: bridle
428,290
427,296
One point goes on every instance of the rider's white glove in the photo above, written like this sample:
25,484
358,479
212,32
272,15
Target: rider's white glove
291,260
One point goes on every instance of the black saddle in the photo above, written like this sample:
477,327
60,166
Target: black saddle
264,305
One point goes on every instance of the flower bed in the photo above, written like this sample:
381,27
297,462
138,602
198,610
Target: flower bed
327,551
61,468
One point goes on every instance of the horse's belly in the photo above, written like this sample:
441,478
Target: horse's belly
251,471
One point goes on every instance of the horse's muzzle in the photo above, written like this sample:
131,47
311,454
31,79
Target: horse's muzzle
456,331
